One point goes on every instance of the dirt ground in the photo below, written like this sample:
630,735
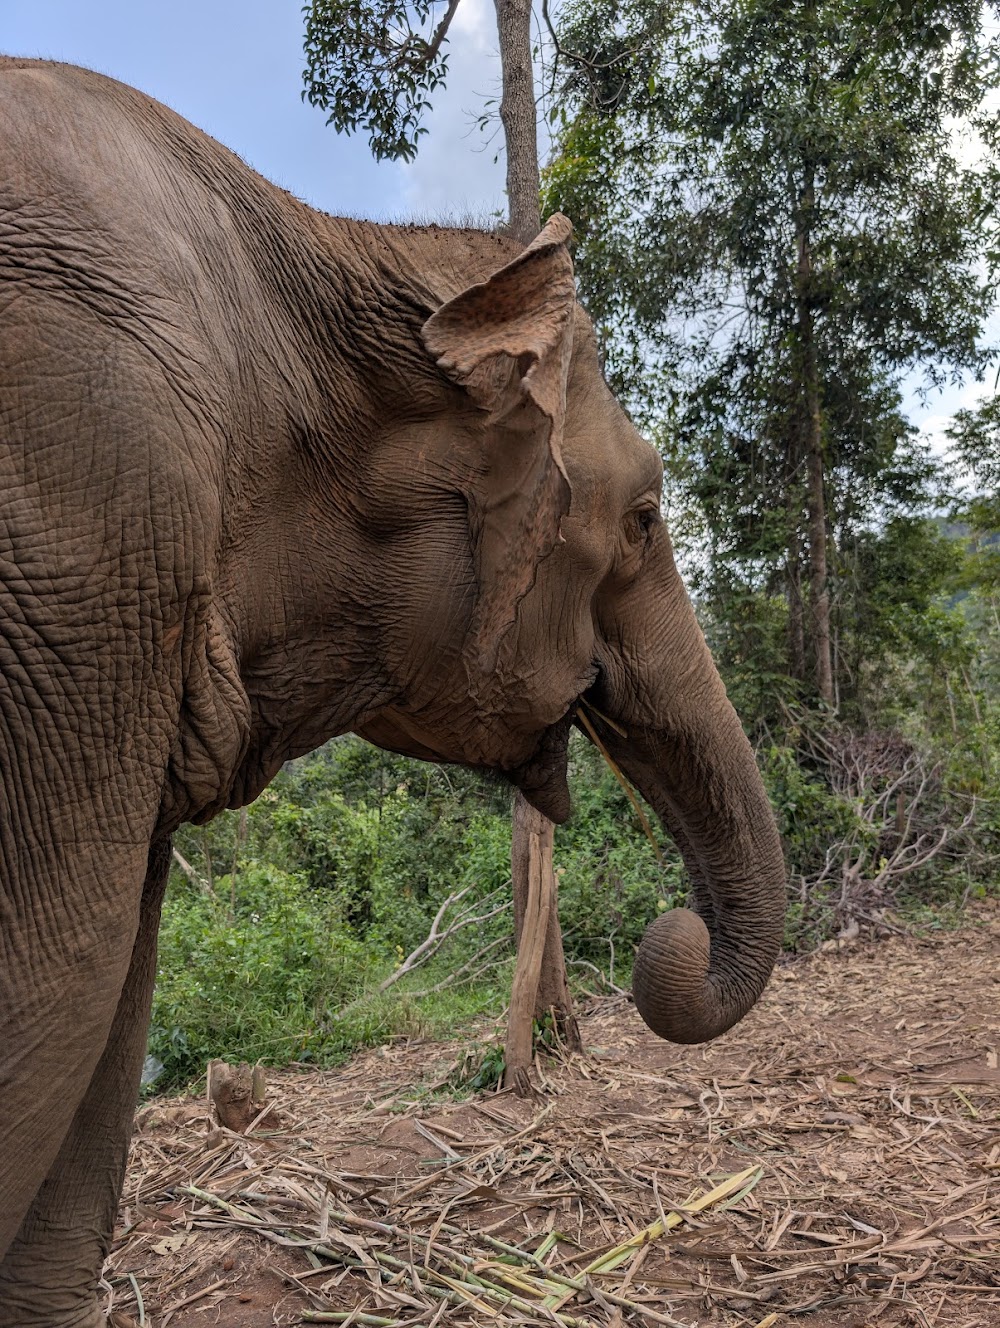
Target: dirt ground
851,1126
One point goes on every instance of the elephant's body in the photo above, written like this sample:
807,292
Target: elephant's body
155,267
269,476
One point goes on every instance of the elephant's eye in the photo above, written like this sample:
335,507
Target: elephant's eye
639,524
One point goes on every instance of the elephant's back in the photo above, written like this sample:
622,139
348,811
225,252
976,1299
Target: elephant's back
102,142
79,153
109,196
108,419
134,280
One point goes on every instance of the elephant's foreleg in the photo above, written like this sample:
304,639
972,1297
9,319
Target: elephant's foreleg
49,1276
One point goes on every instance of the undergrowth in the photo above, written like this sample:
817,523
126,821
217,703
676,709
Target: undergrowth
287,918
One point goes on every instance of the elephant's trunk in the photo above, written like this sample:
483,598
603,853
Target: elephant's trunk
697,972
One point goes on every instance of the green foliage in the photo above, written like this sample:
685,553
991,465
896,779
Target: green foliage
374,67
340,866
342,863
389,838
813,821
810,816
748,635
481,1070
975,435
255,981
766,194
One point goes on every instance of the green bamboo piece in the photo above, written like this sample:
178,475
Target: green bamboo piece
549,1243
562,1279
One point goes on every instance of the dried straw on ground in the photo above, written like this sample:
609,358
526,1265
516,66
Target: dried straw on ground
835,1160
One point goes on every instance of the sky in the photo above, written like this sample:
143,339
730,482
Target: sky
235,70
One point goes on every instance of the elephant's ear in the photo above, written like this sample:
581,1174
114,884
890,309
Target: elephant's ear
508,342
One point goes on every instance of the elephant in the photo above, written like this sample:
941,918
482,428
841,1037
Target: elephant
270,476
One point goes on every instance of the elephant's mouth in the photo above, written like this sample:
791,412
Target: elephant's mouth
543,777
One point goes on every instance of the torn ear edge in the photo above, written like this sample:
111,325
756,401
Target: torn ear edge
508,342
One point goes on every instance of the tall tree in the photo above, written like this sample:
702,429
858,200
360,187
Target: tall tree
375,66
776,226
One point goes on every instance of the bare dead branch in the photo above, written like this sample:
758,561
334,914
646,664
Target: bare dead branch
195,877
901,825
435,938
468,970
592,968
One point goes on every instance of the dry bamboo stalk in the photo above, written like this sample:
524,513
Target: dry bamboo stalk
629,791
431,1181
613,1258
351,1316
543,1287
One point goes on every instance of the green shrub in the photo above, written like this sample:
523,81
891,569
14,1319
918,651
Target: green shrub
255,984
810,816
343,861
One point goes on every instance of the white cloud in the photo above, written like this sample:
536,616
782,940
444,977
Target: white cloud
932,413
459,171
476,19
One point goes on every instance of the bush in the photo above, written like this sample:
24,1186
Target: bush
874,823
254,984
343,861
341,865
811,817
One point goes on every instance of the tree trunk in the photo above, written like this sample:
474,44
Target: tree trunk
819,597
793,585
540,977
517,113
540,986
531,827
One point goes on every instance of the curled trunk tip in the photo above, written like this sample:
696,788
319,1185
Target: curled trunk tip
674,991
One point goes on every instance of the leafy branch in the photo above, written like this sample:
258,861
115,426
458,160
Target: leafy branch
375,66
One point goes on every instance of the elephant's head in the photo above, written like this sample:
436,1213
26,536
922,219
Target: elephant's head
531,568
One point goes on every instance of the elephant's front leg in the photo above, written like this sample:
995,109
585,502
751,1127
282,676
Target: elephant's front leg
49,1276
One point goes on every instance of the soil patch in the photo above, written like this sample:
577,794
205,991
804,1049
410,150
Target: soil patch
851,1126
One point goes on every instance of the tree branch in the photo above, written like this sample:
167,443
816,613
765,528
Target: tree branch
435,938
193,876
455,978
434,45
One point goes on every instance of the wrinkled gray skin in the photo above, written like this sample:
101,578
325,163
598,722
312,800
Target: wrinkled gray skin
270,476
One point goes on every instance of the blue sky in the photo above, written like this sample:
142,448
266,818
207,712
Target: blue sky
235,70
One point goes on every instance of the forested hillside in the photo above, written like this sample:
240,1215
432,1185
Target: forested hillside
786,230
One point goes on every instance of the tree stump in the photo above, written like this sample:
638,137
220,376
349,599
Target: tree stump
238,1093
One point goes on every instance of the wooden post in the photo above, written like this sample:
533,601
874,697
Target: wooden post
540,984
